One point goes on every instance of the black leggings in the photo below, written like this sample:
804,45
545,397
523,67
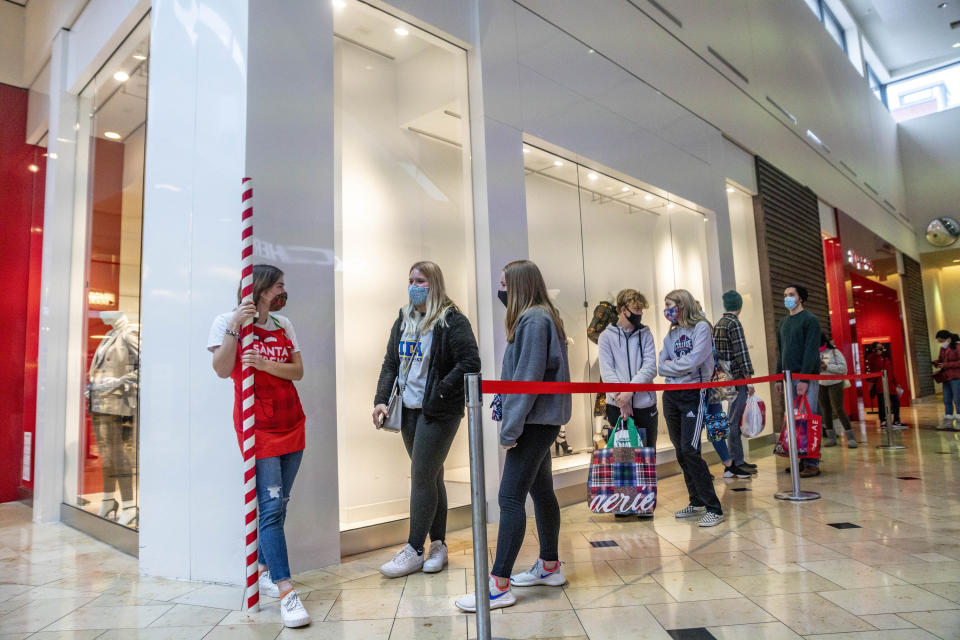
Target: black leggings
427,443
527,469
680,411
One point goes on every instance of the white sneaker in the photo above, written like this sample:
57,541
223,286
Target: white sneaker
436,557
267,586
689,511
710,519
538,574
292,612
498,598
406,561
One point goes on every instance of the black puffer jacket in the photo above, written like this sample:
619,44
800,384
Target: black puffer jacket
453,353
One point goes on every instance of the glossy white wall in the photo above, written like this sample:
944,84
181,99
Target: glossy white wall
191,478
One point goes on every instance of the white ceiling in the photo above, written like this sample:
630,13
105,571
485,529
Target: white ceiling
909,35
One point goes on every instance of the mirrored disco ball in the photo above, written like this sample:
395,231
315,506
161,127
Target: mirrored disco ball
943,232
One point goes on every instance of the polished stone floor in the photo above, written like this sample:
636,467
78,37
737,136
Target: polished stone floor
773,570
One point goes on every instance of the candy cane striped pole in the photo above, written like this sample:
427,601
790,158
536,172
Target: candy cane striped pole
251,521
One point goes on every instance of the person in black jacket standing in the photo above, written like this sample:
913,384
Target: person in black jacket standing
433,343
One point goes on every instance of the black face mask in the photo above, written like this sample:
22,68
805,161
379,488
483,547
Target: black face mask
635,319
503,296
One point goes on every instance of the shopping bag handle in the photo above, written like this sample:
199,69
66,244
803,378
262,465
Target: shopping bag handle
800,403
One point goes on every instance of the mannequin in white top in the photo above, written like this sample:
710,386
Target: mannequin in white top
112,393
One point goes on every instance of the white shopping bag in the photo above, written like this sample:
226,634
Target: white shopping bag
754,417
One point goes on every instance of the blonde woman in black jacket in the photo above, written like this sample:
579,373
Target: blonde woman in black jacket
433,341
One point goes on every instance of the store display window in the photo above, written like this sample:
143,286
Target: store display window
404,195
102,450
593,235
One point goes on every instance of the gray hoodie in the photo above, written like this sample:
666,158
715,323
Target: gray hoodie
537,355
687,354
629,357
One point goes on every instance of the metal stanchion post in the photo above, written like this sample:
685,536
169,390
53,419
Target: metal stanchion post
478,495
889,446
796,495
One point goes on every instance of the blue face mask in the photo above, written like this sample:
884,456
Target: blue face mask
790,303
418,295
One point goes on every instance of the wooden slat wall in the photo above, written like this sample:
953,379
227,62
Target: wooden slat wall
917,331
790,251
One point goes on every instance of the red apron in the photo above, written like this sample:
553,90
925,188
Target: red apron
279,418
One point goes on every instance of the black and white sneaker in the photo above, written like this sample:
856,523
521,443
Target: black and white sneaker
689,511
710,519
733,471
899,426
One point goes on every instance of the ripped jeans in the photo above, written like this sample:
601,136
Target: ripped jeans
274,481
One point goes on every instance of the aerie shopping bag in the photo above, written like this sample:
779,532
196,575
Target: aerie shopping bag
623,478
808,426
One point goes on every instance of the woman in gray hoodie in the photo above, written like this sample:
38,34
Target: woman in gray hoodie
687,357
536,352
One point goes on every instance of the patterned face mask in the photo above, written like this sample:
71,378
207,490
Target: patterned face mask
671,314
418,295
279,302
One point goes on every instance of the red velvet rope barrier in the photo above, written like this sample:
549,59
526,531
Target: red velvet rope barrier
505,387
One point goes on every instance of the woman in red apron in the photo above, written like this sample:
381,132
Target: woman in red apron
279,421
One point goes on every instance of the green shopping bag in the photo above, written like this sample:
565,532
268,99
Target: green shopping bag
625,434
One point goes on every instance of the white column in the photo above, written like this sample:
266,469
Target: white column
290,156
55,301
191,473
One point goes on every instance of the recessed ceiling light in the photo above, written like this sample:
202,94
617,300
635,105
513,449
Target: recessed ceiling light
558,163
139,56
868,291
592,176
32,168
856,286
670,206
956,45
648,197
400,31
590,51
339,4
957,260
121,76
625,189
525,150
730,189
113,135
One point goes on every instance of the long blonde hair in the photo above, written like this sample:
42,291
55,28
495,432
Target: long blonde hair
438,304
527,290
689,312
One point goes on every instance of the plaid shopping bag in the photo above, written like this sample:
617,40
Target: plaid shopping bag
808,426
623,480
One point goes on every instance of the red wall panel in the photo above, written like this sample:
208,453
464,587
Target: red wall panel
21,227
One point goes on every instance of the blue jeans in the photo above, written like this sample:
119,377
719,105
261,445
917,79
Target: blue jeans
734,415
813,395
951,397
720,446
274,481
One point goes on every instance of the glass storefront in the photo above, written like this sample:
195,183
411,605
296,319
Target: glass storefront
102,450
404,194
593,235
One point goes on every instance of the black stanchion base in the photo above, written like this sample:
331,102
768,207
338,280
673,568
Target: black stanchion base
891,447
800,496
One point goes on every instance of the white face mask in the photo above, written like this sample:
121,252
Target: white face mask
945,344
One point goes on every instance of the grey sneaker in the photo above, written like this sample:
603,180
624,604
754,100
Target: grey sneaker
537,575
436,557
689,511
406,561
710,519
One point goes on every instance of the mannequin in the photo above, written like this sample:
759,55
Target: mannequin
113,408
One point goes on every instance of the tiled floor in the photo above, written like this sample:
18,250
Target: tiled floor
773,570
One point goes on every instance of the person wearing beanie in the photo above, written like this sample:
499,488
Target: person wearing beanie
733,357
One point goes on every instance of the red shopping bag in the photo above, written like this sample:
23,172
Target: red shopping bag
809,428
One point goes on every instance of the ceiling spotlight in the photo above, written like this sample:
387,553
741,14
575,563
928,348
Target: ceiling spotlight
400,31
956,45
32,168
670,206
590,51
113,135
121,76
868,291
957,260
525,150
857,286
339,4
648,197
625,189
730,189
557,163
139,56
592,176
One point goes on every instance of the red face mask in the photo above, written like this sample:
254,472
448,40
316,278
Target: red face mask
279,302
823,348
